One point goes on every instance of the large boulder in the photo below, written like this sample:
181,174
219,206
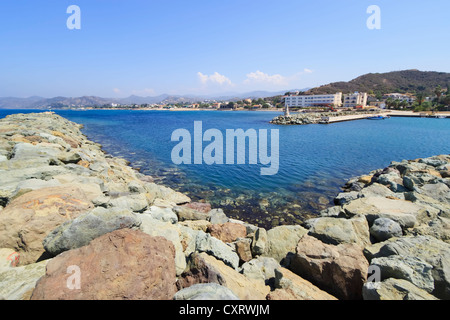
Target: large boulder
158,228
82,230
27,220
122,265
185,213
163,214
213,246
394,290
407,268
206,291
227,232
160,192
207,269
282,241
261,268
135,202
340,270
384,229
429,250
18,283
290,286
336,231
406,213
27,150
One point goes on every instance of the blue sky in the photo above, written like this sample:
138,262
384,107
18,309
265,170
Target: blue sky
153,47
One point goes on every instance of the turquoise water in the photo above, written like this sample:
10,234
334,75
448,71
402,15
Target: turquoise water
315,160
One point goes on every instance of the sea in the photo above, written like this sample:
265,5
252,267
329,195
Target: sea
315,161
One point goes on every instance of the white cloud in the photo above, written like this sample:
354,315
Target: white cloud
116,90
276,80
264,78
215,78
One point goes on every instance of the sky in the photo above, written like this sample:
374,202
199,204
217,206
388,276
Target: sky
206,47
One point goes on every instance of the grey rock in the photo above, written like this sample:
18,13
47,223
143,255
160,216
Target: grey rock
282,241
429,250
345,197
161,192
394,289
210,245
384,229
217,216
26,150
155,228
262,268
259,242
406,213
136,203
336,231
332,212
163,214
136,187
82,230
407,268
185,213
206,291
69,157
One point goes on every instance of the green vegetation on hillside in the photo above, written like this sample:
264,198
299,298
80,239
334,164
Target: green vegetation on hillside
407,81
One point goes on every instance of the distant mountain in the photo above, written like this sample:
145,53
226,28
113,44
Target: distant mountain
397,81
19,103
86,101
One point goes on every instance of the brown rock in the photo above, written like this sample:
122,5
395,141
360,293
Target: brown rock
28,219
340,270
200,206
122,265
244,249
228,232
207,269
72,142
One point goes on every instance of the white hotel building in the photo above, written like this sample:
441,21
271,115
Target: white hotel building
314,101
356,99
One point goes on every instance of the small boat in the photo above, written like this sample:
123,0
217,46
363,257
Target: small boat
377,118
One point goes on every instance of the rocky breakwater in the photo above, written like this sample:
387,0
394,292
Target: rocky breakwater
314,118
400,215
76,223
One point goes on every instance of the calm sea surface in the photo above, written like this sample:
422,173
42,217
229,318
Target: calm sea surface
315,160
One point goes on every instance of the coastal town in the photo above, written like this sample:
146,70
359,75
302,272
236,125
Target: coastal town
420,104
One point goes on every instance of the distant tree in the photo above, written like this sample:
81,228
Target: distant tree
420,98
438,93
446,100
427,106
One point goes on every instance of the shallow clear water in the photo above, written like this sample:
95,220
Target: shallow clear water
315,160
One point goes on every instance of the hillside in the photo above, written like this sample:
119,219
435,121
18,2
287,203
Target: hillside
397,81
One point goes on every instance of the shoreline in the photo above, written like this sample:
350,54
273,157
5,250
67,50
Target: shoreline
83,199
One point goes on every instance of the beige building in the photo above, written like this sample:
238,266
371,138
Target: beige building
314,100
355,99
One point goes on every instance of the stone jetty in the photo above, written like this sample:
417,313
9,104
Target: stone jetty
78,224
322,117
